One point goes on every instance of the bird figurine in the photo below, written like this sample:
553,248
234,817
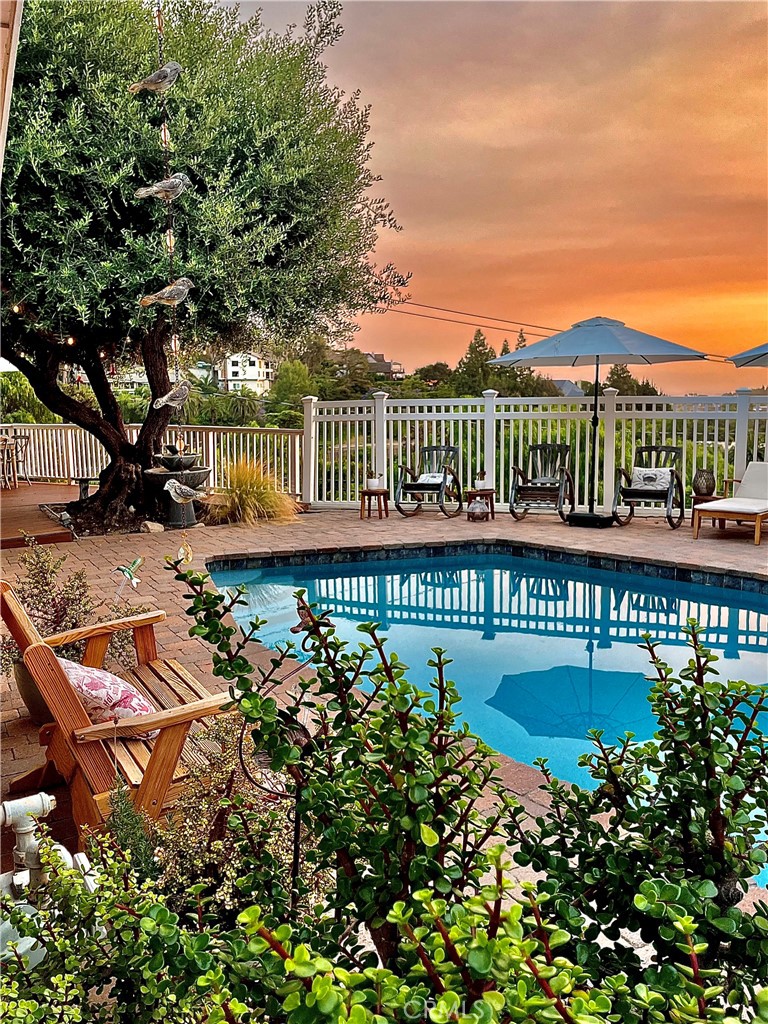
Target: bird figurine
175,398
181,493
168,189
159,81
129,575
171,295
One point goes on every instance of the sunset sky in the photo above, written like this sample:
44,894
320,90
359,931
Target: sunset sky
555,161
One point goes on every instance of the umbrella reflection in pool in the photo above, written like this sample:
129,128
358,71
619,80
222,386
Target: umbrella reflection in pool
567,700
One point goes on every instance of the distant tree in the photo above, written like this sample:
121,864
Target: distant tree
283,404
434,373
19,403
347,376
619,377
473,374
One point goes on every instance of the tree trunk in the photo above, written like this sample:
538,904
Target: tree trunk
122,500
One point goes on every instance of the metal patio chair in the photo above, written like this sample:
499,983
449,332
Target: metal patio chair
548,483
435,475
22,450
654,478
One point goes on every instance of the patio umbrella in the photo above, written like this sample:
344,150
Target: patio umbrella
752,357
595,342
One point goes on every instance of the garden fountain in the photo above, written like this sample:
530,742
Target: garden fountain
176,464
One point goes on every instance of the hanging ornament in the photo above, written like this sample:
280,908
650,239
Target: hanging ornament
171,295
168,189
160,81
185,553
159,20
175,398
128,573
169,241
165,136
175,344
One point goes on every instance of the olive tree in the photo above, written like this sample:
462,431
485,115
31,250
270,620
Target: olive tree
277,228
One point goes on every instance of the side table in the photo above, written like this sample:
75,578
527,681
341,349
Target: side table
704,499
381,494
487,494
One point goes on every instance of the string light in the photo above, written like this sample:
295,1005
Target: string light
17,309
70,340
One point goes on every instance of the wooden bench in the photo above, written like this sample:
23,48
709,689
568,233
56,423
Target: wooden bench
87,757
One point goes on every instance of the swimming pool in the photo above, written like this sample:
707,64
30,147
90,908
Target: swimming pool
541,651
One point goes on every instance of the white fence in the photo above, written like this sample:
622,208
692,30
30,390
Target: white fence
342,443
346,442
63,452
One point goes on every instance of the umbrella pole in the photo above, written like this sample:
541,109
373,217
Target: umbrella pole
595,424
591,518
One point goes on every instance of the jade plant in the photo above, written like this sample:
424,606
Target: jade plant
423,919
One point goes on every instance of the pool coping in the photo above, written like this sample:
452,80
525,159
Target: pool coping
653,568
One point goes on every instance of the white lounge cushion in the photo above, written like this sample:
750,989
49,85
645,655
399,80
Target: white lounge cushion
650,479
754,483
430,478
749,506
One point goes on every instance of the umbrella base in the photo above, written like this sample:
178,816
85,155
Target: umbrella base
591,520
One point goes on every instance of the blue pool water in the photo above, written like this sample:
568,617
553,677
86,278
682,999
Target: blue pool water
541,651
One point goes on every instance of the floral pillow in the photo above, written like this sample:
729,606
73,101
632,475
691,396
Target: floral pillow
105,696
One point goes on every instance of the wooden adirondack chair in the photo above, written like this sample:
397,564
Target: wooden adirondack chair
87,756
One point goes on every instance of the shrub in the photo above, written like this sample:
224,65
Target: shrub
56,604
228,817
248,495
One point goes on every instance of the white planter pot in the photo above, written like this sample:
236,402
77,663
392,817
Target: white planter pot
481,485
374,484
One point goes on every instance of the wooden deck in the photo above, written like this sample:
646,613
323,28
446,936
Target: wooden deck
19,510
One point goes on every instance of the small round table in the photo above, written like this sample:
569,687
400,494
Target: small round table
381,494
486,494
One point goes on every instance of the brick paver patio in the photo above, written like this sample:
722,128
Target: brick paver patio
732,552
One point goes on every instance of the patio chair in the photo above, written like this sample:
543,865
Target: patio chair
548,483
89,757
435,475
654,478
22,450
749,503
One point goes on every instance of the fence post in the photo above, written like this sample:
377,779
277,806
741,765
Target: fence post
489,439
742,432
309,461
294,464
381,462
609,447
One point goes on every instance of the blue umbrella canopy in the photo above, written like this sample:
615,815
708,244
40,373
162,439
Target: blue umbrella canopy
752,357
599,339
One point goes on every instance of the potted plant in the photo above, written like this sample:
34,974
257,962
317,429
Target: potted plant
480,482
55,604
374,481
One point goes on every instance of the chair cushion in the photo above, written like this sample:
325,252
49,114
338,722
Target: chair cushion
430,478
749,506
105,696
650,479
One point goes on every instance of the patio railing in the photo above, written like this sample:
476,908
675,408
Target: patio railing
343,443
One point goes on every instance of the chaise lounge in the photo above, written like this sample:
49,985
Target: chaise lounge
749,503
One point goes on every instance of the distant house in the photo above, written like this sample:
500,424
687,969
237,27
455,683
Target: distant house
245,370
383,367
568,389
